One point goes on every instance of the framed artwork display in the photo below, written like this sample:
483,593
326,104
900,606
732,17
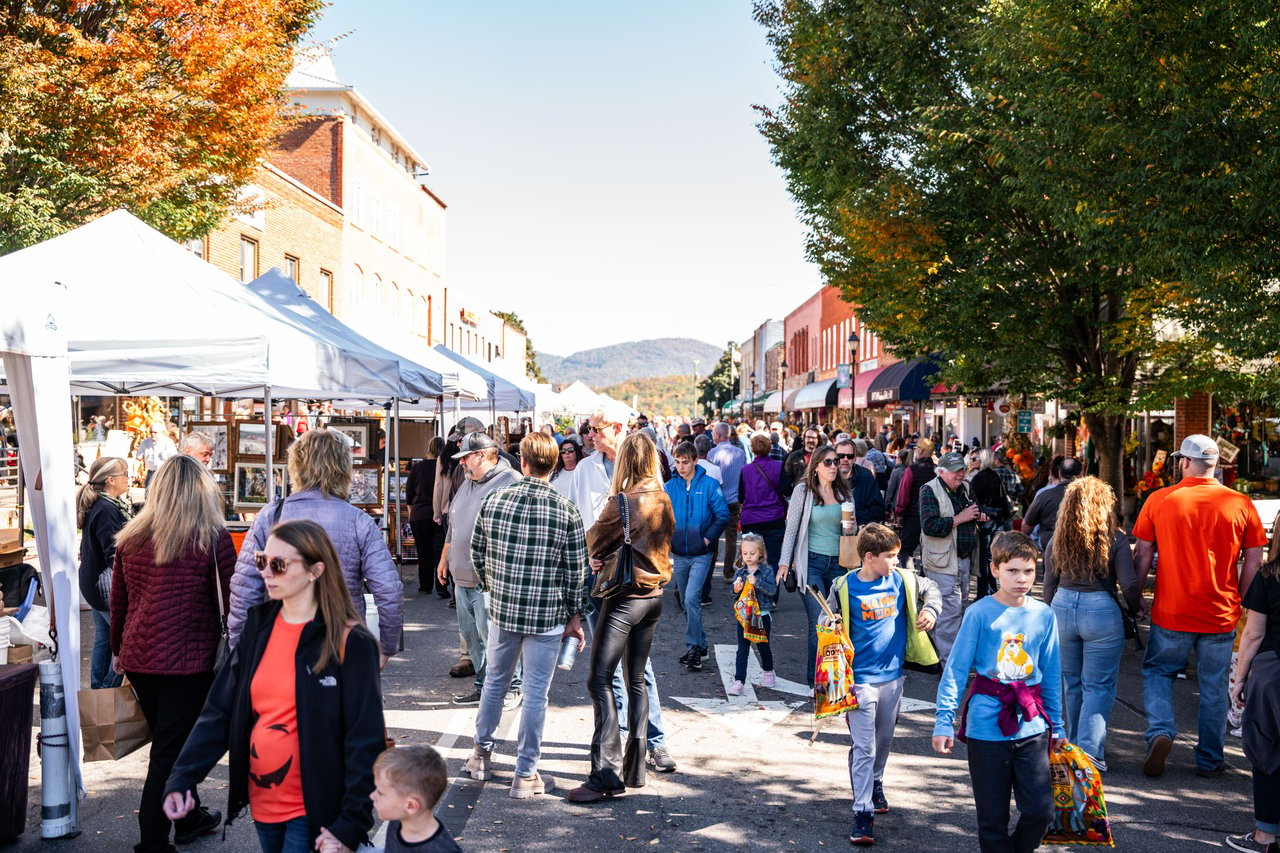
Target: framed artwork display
359,437
366,485
251,484
219,431
251,439
396,487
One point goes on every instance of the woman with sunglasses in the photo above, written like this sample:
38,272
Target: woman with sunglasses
811,545
569,457
101,512
302,681
173,563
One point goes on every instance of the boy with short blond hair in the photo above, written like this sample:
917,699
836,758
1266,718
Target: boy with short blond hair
1012,716
878,604
409,781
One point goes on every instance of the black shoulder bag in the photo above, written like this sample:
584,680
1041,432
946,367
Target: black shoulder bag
618,575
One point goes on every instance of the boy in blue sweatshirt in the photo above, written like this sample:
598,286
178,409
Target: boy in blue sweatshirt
1013,713
701,515
885,612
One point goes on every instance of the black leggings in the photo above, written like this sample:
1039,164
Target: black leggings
428,538
910,536
623,633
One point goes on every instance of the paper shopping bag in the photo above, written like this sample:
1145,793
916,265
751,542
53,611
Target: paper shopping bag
112,724
849,553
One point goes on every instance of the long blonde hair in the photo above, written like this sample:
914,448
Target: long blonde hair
1086,530
102,468
333,599
637,461
183,511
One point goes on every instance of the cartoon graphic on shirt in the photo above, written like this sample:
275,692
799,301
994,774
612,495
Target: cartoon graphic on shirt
1014,664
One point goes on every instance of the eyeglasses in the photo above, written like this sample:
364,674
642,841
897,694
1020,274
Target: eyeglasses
566,450
830,461
846,456
276,565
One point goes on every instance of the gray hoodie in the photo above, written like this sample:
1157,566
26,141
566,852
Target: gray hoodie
462,518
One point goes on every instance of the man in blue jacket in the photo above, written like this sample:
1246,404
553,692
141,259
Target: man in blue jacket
868,502
701,515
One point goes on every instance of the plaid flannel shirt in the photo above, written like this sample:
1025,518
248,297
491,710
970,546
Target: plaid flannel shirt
777,451
530,553
933,524
1012,482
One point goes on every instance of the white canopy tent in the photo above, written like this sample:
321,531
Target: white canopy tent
578,400
503,394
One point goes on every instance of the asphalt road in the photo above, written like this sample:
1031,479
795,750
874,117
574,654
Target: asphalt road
749,776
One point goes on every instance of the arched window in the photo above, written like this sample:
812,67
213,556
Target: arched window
404,307
355,289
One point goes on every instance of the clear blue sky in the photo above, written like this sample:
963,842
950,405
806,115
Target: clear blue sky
593,154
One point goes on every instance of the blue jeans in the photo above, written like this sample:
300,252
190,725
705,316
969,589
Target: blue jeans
292,836
657,734
473,622
689,574
823,570
1167,654
505,651
1091,636
100,674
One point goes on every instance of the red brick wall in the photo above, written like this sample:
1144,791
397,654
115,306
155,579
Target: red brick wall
1192,415
312,152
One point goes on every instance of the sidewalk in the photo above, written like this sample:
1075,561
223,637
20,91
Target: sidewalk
748,777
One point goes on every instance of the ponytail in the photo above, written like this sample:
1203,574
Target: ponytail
99,471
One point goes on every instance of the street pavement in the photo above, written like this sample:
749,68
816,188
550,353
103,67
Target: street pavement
751,775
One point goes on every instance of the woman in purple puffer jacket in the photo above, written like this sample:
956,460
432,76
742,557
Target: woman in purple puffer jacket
320,474
764,509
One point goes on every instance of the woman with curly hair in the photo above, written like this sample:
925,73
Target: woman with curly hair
1084,561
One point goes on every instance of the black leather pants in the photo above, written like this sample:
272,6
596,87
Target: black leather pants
623,633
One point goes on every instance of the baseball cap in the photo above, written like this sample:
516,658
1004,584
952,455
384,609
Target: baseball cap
951,462
698,421
1197,447
473,442
465,426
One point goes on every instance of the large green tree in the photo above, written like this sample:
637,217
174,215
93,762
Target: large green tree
718,386
1048,192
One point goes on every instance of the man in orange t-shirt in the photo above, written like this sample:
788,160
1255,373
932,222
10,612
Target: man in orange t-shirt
1201,529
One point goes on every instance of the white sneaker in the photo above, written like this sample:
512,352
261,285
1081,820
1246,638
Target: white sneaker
768,679
735,689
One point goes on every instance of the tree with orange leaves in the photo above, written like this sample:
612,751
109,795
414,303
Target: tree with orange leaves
164,107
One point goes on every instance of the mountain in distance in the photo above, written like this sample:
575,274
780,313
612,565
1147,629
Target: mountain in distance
606,366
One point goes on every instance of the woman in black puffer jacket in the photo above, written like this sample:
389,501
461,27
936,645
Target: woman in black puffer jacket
101,512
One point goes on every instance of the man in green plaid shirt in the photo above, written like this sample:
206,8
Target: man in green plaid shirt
529,551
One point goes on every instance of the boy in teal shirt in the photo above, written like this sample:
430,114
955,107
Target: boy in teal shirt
878,605
1013,713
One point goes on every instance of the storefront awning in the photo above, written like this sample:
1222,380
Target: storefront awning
773,403
817,395
906,380
789,399
731,406
862,382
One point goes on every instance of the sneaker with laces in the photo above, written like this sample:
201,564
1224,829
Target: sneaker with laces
768,679
472,698
702,652
200,822
660,761
1157,753
694,661
524,787
684,658
1212,772
1248,844
863,832
736,688
512,700
879,803
477,766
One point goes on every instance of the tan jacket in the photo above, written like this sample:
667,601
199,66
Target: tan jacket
652,525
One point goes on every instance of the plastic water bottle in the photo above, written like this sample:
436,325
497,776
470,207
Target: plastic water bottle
568,653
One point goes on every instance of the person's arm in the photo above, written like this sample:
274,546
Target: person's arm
1126,575
605,535
1050,575
119,604
411,485
1255,628
719,517
479,544
1252,562
378,570
904,490
767,581
1035,512
932,521
574,589
1143,552
226,563
785,484
442,568
1050,664
929,595
363,738
795,514
247,588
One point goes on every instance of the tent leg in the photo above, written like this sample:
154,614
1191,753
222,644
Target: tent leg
271,445
399,521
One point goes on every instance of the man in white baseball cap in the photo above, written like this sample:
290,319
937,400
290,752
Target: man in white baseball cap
1201,528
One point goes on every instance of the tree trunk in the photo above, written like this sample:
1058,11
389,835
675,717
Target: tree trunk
1107,432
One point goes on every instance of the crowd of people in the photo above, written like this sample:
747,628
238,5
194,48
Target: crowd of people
584,529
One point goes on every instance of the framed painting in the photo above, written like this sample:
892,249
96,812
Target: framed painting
251,440
219,432
366,485
250,487
358,435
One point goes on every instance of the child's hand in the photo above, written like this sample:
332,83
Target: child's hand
942,744
737,585
926,620
1055,743
327,843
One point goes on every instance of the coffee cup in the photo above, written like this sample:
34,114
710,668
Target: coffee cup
846,528
846,511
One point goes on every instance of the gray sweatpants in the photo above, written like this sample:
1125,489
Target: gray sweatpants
871,735
955,600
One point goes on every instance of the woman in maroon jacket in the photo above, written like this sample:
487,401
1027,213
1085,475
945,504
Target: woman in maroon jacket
171,563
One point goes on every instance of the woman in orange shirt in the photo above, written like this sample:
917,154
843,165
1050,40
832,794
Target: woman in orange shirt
303,680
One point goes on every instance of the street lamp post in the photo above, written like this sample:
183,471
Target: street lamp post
853,378
782,403
753,394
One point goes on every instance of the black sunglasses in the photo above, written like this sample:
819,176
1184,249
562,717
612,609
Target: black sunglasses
830,461
845,456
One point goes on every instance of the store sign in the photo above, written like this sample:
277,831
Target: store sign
469,317
843,376
1026,418
883,395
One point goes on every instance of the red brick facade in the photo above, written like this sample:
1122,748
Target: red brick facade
1192,415
312,152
